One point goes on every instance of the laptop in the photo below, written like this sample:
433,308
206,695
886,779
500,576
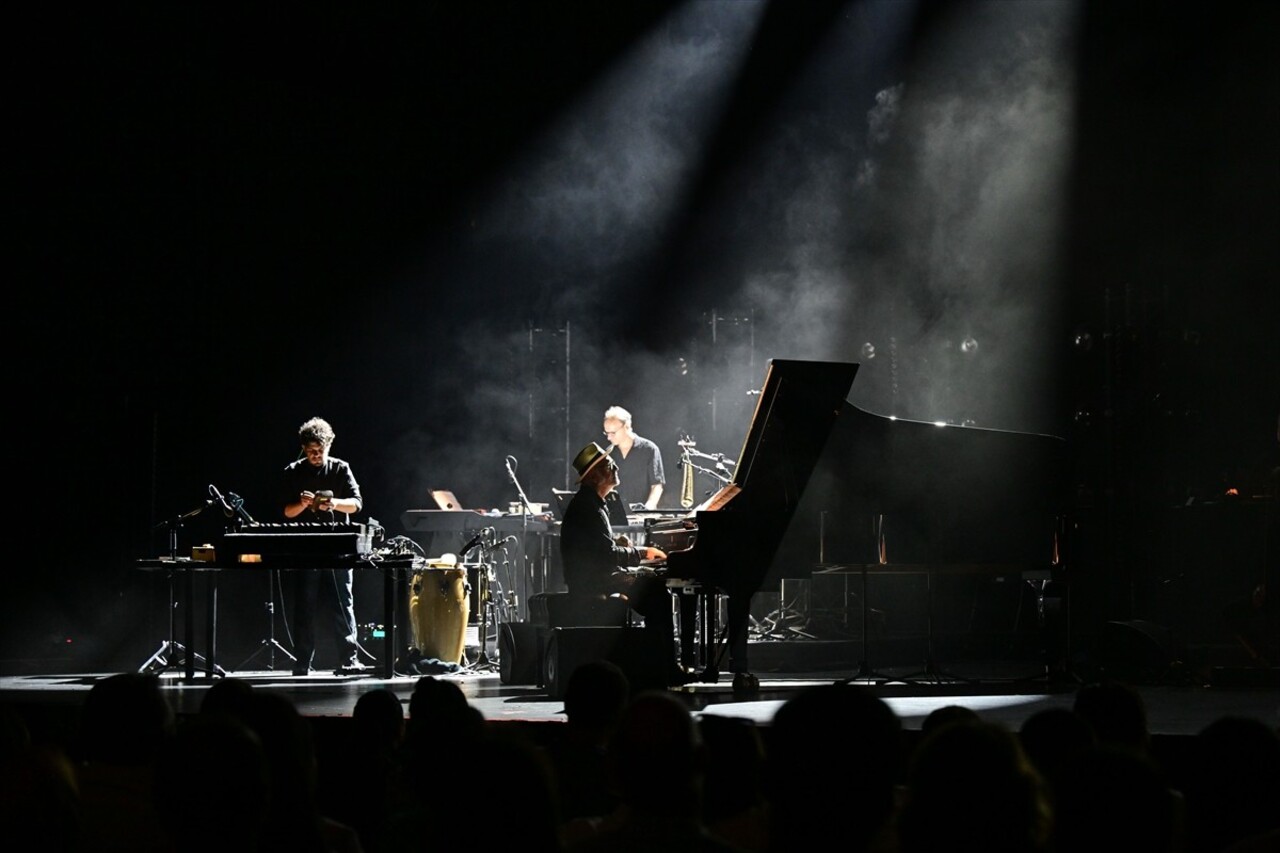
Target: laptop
445,499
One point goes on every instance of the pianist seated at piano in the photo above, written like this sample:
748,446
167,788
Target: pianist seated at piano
595,563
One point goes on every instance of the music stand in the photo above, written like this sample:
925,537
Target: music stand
171,654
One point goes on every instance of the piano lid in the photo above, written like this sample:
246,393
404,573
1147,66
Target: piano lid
797,408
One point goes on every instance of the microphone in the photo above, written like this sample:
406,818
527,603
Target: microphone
238,503
501,542
221,501
475,540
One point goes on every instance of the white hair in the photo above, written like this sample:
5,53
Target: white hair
617,413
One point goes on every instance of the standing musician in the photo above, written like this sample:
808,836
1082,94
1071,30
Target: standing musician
639,461
595,562
320,488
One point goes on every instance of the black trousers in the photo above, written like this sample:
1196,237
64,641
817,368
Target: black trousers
333,587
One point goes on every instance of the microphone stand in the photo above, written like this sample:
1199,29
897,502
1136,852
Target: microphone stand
524,500
511,463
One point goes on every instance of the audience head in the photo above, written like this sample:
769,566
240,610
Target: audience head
437,706
1054,739
126,720
228,696
214,767
378,718
817,782
946,715
1116,712
657,755
1233,786
596,696
970,787
735,765
1113,797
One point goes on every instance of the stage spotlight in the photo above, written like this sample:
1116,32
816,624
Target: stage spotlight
868,351
969,346
1082,340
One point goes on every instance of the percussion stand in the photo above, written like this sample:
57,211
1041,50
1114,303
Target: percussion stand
482,661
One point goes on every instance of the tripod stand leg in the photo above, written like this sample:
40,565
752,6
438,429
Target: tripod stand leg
159,660
268,643
173,655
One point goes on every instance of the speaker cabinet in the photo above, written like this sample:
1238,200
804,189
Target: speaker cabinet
641,655
519,653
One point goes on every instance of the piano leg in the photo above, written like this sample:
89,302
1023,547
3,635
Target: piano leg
715,641
739,616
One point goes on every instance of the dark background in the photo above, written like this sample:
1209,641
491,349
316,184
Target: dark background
227,221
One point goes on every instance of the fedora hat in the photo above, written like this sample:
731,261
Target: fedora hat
587,459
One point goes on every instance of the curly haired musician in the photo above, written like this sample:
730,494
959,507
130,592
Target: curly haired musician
322,489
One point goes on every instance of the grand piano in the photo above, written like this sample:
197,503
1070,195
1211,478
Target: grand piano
865,492
728,548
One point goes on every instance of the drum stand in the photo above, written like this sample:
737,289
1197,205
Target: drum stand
482,660
269,643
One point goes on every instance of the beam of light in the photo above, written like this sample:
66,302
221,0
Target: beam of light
968,195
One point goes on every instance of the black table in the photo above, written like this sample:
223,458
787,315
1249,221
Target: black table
186,569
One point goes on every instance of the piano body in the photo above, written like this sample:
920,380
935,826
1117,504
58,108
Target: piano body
959,507
730,549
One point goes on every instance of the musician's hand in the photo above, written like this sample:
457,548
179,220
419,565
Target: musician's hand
652,553
622,541
306,499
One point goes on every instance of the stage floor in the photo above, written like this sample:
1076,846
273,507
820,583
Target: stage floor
998,691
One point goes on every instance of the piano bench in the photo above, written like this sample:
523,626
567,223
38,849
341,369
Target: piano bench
577,610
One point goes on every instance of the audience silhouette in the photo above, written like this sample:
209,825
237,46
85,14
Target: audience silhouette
356,779
659,763
822,786
595,700
39,800
125,724
969,786
631,773
1232,787
212,789
734,805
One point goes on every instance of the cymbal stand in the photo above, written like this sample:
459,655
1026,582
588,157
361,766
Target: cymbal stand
171,654
269,644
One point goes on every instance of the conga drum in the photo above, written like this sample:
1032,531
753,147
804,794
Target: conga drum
439,607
